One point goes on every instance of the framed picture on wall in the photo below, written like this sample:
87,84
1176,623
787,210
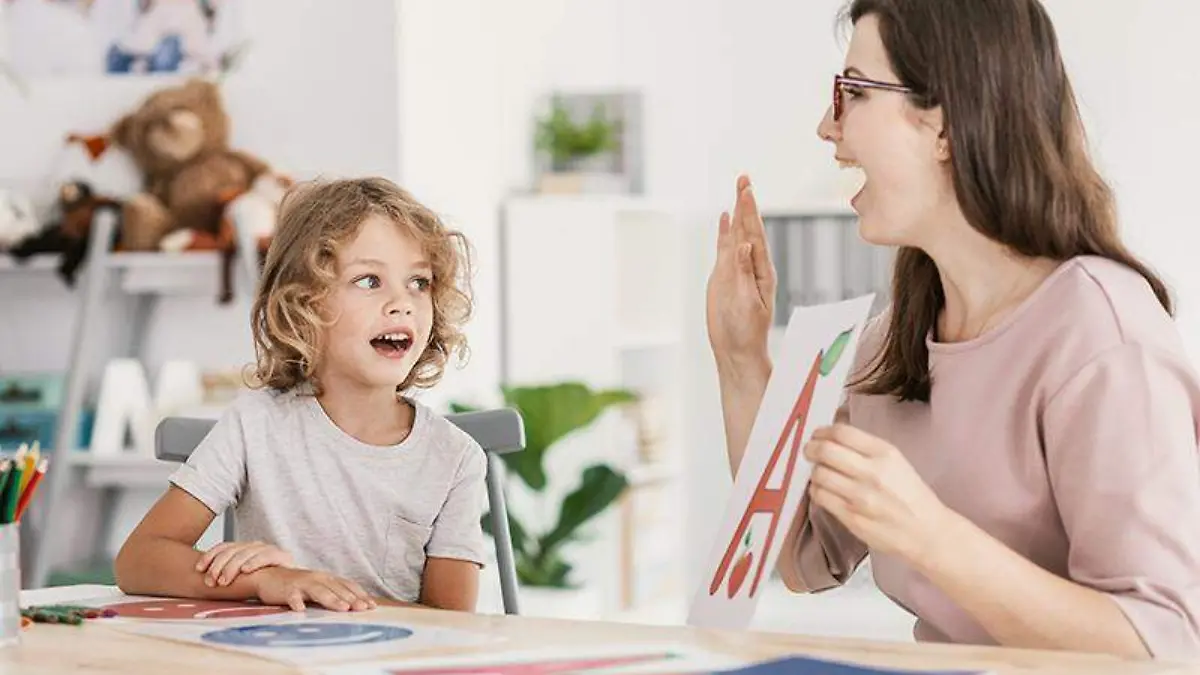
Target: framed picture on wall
119,37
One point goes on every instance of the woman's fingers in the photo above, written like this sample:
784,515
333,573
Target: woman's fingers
824,478
724,236
838,457
748,229
854,438
834,505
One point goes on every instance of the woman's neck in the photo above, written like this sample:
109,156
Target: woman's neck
374,416
982,281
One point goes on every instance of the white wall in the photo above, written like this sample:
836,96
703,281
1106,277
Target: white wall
1134,66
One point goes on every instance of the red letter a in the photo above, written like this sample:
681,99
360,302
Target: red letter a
771,500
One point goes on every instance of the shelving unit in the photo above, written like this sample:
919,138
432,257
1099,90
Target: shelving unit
593,291
819,258
76,473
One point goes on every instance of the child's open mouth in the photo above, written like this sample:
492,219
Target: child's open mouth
393,345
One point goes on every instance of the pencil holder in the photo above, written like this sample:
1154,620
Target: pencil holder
10,585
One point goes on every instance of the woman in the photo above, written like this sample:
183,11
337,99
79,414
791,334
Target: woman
1018,447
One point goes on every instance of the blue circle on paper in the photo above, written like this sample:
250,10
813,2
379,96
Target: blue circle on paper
301,635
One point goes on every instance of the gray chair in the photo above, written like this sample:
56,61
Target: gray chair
498,432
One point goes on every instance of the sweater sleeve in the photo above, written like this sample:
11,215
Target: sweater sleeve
827,553
1120,441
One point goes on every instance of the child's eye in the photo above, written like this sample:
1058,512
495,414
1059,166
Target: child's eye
367,282
853,92
421,283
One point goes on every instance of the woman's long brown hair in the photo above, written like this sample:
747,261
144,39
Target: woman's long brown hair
1018,156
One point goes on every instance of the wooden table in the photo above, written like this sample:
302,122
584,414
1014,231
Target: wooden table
96,648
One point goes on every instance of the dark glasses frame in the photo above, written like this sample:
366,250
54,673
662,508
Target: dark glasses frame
840,82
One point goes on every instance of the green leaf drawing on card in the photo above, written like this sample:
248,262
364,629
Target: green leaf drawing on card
834,354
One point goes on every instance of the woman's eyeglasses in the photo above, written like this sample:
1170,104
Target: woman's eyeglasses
843,82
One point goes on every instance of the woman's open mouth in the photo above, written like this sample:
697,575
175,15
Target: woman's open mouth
856,182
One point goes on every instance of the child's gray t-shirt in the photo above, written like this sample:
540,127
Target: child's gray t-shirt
337,505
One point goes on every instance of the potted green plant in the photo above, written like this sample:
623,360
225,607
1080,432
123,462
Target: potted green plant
569,144
551,413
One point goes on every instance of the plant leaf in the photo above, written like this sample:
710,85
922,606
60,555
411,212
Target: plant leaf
544,571
551,413
558,574
598,489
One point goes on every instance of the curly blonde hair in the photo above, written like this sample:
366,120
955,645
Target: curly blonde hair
315,220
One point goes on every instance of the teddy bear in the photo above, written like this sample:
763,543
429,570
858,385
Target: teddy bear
179,140
253,212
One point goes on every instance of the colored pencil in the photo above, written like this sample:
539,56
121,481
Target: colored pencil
30,487
6,479
31,461
12,490
5,474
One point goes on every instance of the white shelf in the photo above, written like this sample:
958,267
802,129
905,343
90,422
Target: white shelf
42,262
48,262
190,273
128,460
131,260
129,469
187,273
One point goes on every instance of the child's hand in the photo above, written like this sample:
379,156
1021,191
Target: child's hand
224,562
292,587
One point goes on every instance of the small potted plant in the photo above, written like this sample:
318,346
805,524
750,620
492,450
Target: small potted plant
581,155
551,413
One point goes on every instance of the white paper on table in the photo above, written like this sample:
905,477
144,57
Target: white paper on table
803,394
305,643
629,659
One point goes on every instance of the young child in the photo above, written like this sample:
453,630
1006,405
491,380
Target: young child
344,490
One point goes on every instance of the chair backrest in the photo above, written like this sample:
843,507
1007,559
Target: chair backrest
498,432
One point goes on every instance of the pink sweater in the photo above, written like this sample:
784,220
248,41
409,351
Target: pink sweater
1069,433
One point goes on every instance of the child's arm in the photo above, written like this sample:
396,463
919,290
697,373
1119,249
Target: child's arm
455,549
158,558
450,584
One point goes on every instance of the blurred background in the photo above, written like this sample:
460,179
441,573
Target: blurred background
586,148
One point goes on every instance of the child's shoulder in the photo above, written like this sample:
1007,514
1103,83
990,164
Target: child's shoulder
443,435
264,404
